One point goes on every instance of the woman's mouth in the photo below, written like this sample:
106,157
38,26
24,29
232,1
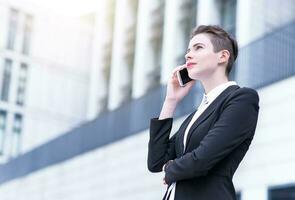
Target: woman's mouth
190,65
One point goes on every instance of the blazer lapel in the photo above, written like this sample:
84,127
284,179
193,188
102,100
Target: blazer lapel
206,113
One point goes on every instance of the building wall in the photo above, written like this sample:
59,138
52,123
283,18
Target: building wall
119,170
57,78
101,59
256,18
270,160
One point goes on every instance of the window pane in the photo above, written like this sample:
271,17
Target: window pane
27,34
22,80
284,193
228,16
238,195
228,22
6,80
12,29
186,21
156,40
2,130
16,135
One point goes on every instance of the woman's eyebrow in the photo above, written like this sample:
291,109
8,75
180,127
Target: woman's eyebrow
195,46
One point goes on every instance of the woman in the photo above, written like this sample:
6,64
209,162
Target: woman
199,161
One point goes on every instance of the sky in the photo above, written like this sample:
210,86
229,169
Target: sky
68,7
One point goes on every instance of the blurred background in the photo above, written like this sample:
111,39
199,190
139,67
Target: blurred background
80,80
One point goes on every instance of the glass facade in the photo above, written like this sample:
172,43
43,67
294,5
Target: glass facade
268,59
13,81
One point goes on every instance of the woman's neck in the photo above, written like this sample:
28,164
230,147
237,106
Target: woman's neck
212,82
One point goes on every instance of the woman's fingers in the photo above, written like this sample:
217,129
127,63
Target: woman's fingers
178,68
164,182
174,71
191,83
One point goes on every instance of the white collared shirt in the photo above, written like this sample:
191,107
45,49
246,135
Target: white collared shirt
206,101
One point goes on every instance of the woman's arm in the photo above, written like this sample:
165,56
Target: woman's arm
160,148
168,109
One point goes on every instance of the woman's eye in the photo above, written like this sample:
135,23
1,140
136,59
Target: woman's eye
198,47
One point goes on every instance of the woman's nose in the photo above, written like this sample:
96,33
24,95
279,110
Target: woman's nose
187,56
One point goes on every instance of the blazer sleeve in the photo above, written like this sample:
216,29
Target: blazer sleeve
160,148
236,123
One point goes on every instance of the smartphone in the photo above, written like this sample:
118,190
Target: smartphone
182,76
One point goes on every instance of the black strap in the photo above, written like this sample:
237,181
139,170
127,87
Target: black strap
167,195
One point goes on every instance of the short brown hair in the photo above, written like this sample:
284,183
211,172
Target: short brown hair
220,40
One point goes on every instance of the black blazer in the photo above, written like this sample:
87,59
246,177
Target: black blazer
216,143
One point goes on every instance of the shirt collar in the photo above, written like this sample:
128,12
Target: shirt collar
208,98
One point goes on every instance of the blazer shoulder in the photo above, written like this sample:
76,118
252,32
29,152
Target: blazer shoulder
244,94
249,91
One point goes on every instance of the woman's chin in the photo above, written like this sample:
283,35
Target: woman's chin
199,74
194,75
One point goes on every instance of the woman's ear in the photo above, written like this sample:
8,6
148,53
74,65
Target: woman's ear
223,56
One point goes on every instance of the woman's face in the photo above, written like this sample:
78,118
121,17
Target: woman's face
201,61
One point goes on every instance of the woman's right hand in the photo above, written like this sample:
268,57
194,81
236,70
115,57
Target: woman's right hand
174,91
174,94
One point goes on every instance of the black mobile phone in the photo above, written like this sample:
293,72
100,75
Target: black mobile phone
183,78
